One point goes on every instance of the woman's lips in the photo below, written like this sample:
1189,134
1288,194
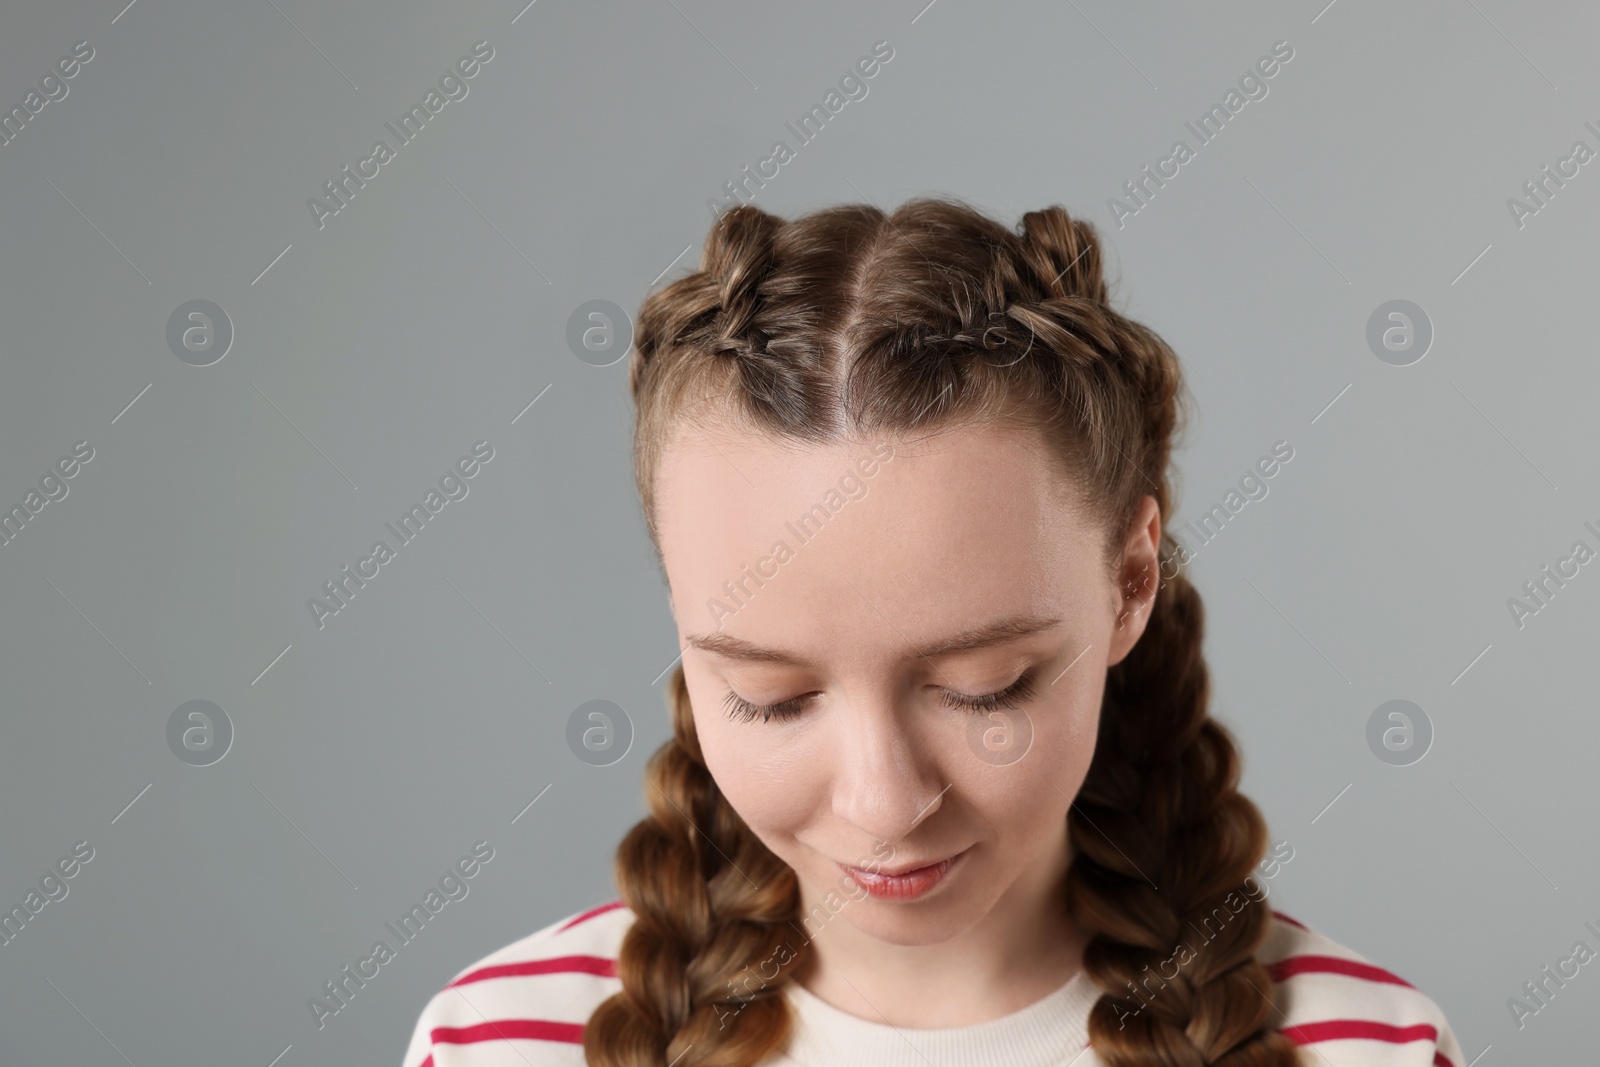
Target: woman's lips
906,886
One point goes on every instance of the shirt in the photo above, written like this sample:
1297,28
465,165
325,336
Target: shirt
525,1005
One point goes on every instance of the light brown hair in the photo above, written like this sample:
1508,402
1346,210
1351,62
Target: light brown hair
851,321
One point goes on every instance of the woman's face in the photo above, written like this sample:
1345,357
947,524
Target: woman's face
852,594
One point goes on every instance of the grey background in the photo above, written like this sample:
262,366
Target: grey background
432,310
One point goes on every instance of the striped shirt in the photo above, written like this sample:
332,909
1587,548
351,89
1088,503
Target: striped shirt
525,1005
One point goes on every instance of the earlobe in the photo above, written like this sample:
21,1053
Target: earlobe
1138,592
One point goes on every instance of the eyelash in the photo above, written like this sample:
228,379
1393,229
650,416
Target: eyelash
1009,697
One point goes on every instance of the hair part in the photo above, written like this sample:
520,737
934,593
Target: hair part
847,323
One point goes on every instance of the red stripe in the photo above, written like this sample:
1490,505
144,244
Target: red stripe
1291,922
1441,1060
1312,964
427,1062
509,1030
606,968
1344,1029
591,913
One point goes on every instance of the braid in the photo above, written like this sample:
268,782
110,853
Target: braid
711,902
717,310
1164,843
739,255
1065,252
849,318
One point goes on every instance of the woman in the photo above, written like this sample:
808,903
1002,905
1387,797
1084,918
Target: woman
943,789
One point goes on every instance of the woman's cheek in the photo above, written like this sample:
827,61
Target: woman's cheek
760,780
725,754
1058,758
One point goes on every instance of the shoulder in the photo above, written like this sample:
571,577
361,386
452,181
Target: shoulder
526,1003
1349,1009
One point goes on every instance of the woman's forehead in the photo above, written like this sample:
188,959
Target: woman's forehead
862,539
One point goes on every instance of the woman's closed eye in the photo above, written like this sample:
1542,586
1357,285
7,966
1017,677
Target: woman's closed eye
1009,697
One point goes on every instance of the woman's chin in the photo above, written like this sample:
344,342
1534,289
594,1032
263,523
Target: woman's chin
930,919
920,924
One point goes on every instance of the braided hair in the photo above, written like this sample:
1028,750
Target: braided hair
851,320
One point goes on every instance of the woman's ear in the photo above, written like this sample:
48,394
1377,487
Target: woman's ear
1138,580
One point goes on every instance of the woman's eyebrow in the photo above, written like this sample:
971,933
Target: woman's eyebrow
998,632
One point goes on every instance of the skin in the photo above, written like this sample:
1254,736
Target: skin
953,531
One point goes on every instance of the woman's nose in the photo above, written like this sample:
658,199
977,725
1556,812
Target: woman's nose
886,780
